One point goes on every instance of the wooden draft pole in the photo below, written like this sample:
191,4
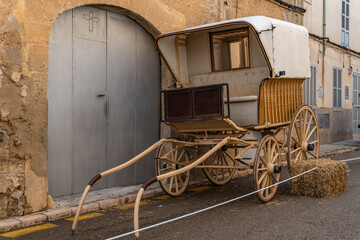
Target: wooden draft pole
113,170
170,174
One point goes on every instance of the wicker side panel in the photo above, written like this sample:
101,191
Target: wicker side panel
279,99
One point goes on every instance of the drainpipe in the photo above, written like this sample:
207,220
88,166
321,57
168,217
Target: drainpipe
324,27
323,53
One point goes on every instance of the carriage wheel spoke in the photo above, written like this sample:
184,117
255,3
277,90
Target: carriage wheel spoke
266,185
313,142
272,151
294,151
304,122
275,157
272,175
270,183
305,156
180,156
222,170
180,180
308,126
263,161
262,177
172,156
312,154
297,156
297,131
222,167
296,141
300,124
171,183
176,183
165,169
263,184
312,131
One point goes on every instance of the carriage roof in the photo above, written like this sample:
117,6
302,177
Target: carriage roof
285,45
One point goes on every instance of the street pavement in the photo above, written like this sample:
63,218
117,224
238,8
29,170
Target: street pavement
284,217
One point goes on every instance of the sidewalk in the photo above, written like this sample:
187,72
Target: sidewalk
107,198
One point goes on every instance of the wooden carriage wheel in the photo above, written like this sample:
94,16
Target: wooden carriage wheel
219,176
170,157
303,137
267,167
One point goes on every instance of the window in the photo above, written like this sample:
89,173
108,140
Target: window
337,79
309,89
230,50
345,22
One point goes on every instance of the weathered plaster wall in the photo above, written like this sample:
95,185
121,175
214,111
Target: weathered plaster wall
340,120
24,33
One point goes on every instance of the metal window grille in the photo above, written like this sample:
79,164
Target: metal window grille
309,89
337,88
356,104
347,92
345,22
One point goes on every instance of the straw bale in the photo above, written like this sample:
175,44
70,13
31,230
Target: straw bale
328,180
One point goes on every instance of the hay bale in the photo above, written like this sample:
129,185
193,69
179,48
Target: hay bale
328,180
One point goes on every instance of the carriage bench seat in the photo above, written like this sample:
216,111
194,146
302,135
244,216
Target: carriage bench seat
208,103
244,110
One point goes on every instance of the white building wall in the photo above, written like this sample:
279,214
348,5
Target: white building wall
335,56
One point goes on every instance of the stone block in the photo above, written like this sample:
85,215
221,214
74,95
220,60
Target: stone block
152,193
5,184
56,214
35,190
51,204
108,203
128,199
15,76
73,210
9,225
3,206
38,57
32,220
4,164
90,207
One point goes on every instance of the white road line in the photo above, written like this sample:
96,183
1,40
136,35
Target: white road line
208,208
219,204
349,160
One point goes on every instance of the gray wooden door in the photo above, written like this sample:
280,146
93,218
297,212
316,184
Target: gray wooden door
103,94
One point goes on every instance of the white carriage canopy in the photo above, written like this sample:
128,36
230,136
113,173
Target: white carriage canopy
275,48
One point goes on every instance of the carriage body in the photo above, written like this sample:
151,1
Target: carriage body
263,62
234,78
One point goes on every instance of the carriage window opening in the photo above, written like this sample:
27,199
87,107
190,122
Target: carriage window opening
230,50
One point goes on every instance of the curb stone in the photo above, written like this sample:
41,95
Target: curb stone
10,225
32,219
50,215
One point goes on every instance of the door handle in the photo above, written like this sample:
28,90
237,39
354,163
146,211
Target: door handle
100,95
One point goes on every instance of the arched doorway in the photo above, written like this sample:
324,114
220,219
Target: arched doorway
103,96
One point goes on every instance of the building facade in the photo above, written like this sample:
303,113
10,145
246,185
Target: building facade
60,72
333,90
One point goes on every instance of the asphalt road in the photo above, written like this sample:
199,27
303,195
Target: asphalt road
285,217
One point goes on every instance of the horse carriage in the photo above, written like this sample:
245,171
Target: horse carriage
238,86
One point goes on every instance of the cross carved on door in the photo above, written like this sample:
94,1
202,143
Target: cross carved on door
91,18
